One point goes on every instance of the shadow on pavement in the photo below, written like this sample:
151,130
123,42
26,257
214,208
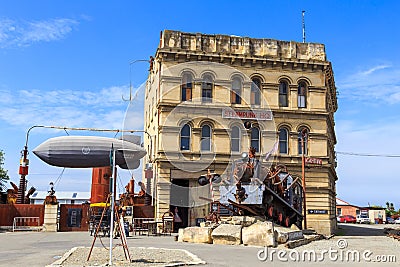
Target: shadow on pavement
359,230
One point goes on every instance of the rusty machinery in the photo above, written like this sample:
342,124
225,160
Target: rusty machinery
12,194
255,190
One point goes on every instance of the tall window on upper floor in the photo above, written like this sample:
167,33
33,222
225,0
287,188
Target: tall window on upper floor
236,91
255,138
302,95
185,137
283,94
283,141
255,96
303,145
186,87
205,143
207,88
235,139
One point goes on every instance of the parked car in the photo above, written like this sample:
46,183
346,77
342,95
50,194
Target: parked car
346,219
389,220
397,221
362,219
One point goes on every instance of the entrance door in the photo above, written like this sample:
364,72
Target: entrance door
179,201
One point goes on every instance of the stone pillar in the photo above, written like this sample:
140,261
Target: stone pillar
163,198
50,218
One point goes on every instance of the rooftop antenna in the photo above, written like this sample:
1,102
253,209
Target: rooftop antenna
304,26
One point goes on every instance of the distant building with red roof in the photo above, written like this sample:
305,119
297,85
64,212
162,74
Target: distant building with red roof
373,213
345,208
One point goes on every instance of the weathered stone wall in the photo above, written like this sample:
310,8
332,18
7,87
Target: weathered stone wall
245,46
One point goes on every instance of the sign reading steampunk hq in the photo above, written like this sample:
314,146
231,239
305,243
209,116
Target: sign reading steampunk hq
210,97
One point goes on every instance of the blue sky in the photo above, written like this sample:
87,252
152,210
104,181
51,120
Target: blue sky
67,63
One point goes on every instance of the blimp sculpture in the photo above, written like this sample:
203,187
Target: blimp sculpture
89,152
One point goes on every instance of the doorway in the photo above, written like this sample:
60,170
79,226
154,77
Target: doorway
179,199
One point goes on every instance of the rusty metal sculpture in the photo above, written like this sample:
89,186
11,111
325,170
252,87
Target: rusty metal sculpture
273,193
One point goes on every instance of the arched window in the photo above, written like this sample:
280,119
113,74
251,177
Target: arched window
303,135
302,95
255,97
235,139
186,87
283,141
205,143
185,137
283,94
207,88
236,91
255,138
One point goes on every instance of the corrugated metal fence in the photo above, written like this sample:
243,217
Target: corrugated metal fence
9,211
73,217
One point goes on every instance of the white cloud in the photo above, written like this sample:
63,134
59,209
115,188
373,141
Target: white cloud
24,33
102,109
6,28
371,70
379,84
6,96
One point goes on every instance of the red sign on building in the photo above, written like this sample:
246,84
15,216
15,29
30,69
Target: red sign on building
247,114
313,161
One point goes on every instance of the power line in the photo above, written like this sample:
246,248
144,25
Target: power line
368,155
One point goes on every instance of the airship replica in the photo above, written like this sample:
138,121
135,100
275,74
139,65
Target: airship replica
89,152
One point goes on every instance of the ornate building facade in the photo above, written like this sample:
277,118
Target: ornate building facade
210,97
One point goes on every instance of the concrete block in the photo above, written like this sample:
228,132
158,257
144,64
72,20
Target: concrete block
259,234
227,234
195,235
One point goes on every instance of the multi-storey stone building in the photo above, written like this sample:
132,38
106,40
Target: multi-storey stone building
200,90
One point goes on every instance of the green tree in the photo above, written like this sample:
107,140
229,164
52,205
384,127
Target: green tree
3,173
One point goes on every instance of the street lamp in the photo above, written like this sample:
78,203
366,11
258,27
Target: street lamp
130,73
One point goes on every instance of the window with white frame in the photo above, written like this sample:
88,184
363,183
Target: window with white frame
236,90
283,94
255,94
186,87
205,143
255,138
235,139
302,95
185,137
283,140
207,88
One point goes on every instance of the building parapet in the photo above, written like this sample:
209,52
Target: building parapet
241,46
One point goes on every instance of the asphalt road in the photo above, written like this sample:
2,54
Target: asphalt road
41,249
